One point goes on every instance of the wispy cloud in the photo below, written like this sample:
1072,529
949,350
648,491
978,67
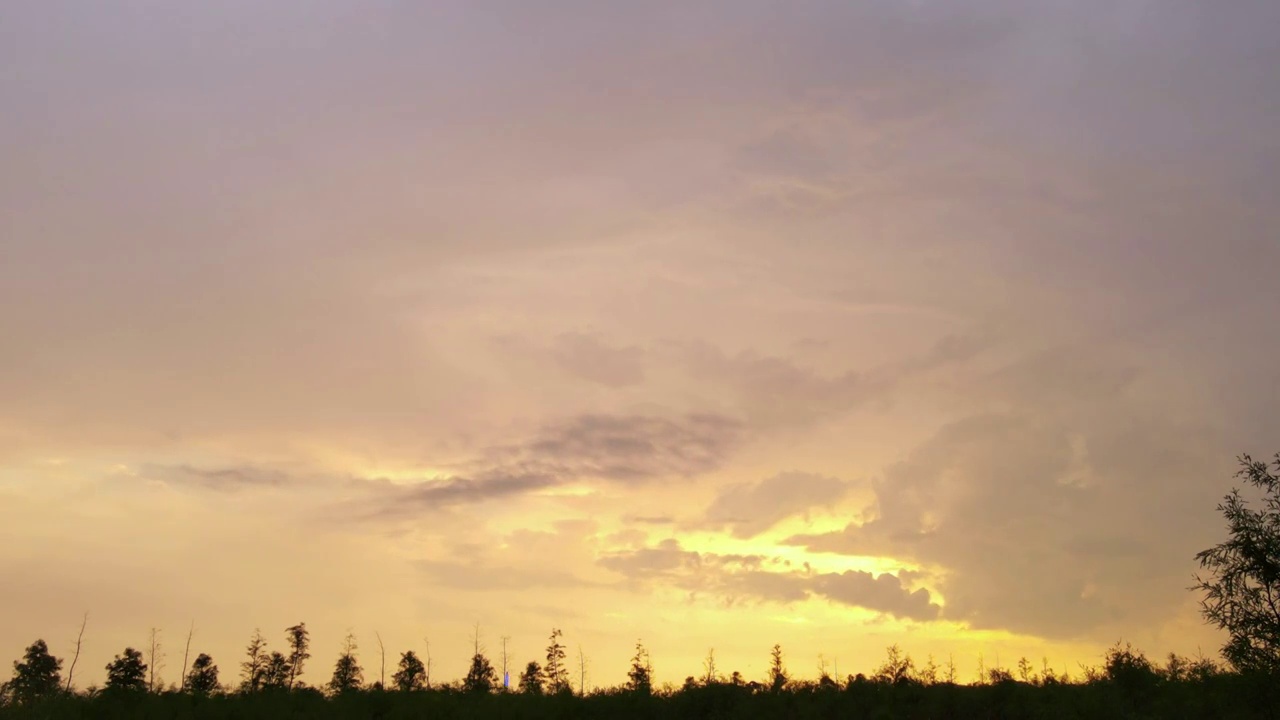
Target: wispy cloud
628,449
224,479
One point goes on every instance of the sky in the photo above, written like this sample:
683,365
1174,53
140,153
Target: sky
710,324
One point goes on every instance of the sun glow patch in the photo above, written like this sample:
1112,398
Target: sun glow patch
814,524
792,619
792,557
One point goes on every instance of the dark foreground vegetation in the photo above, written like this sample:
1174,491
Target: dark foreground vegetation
1241,589
1222,696
1126,685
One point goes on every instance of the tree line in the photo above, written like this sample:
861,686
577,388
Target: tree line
38,674
271,684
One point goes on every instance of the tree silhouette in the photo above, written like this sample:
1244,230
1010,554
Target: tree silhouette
254,666
481,677
1025,673
531,679
37,675
1129,668
929,673
411,675
897,667
998,675
640,676
127,672
275,673
777,673
203,678
1242,594
299,644
347,674
555,671
709,674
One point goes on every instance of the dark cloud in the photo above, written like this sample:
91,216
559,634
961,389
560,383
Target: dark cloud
736,579
664,559
454,491
622,448
750,509
629,447
884,593
617,448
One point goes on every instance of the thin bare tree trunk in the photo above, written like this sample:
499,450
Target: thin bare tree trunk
79,639
428,678
505,683
186,653
582,670
382,674
153,659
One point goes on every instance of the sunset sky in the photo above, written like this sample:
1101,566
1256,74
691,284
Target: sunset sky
715,324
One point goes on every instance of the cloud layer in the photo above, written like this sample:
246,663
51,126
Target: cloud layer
793,322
